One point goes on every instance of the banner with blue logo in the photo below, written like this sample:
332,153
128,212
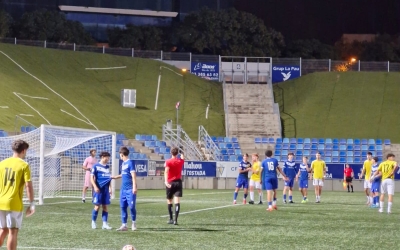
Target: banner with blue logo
200,169
140,166
282,73
206,70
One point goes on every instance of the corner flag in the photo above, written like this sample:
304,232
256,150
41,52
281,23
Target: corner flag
177,105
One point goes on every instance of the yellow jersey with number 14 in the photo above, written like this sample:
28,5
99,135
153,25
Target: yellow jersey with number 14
318,166
256,167
367,169
14,173
386,168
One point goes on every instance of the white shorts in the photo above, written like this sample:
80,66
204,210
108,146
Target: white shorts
10,219
387,186
367,184
318,182
255,184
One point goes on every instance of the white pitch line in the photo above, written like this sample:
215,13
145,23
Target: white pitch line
55,248
121,67
34,97
74,116
49,88
15,93
204,209
25,115
190,194
61,202
3,107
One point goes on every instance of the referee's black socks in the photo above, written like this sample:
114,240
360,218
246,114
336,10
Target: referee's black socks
177,208
170,211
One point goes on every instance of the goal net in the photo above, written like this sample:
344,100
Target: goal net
56,156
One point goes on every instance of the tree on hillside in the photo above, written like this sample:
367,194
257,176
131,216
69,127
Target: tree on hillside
51,26
309,49
138,37
5,23
228,32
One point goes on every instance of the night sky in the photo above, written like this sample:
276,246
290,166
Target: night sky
326,20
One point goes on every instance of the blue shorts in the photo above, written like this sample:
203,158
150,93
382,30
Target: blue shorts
242,183
270,183
101,198
127,198
376,187
303,183
289,183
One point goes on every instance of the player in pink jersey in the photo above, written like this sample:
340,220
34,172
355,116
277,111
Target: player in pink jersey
87,166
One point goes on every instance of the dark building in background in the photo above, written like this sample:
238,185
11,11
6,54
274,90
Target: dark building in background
98,15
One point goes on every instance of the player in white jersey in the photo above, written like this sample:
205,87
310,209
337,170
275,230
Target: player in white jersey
375,183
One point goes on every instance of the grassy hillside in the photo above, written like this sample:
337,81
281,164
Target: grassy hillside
348,105
96,94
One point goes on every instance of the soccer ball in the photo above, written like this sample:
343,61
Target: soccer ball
128,247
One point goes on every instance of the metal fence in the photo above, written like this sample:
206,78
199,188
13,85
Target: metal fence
306,65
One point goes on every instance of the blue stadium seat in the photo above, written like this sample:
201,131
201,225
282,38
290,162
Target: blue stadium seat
357,141
312,158
225,158
157,150
314,141
220,139
364,141
214,138
284,158
277,152
307,140
350,153
349,148
271,140
328,146
371,142
307,146
240,158
264,140
299,153
357,160
314,147
236,145
257,140
235,140
328,159
152,144
154,138
299,158
328,153
148,137
224,152
279,140
299,146
313,152
142,137
147,144
286,140
379,147
321,141
222,145
23,129
335,141
229,146
306,152
292,141
238,152
357,148
379,153
342,141
278,158
357,153
364,147
364,154
342,147
168,150
378,142
335,147
371,148
342,160
284,152
335,159
167,156
278,146
321,147
231,152
328,141
342,153
387,142
292,147
350,141
285,146
350,160
227,139
322,153
300,141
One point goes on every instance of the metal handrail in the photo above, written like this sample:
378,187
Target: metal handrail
210,147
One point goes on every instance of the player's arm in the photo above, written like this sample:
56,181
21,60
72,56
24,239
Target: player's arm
85,164
93,181
311,170
352,173
116,177
282,173
134,185
362,172
29,192
166,177
323,177
394,169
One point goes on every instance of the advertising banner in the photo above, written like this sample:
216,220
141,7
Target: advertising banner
281,73
140,167
227,169
200,169
206,70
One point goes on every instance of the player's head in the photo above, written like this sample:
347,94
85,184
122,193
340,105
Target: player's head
268,153
318,156
128,247
369,155
20,147
290,156
254,157
347,165
93,152
305,159
375,160
245,156
123,152
390,157
104,157
174,151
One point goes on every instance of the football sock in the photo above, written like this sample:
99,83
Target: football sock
269,204
260,196
83,196
348,188
133,213
290,197
284,197
177,208
389,207
274,202
381,204
235,194
351,188
170,211
244,196
305,197
94,215
104,216
124,215
252,196
377,200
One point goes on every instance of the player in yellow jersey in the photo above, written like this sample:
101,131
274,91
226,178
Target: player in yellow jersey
14,176
387,169
366,170
318,168
255,179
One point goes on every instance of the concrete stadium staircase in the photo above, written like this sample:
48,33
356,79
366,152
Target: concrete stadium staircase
140,148
250,112
395,149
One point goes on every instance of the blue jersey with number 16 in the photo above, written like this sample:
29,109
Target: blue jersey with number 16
269,166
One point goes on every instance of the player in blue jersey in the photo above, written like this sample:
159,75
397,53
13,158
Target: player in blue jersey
290,170
243,178
101,178
302,177
375,183
128,189
269,168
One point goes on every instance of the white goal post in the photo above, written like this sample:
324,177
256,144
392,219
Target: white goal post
56,155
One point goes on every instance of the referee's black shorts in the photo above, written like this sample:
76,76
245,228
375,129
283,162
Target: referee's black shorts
175,189
349,179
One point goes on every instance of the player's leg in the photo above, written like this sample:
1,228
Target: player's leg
177,195
239,184
84,193
284,192
104,214
132,206
169,204
14,221
316,189
95,212
86,184
367,192
260,195
274,184
291,183
12,239
382,198
390,190
252,183
245,188
3,226
268,187
123,204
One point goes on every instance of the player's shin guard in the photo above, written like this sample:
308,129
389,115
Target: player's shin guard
170,211
235,194
124,215
244,196
177,209
104,216
133,213
94,215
